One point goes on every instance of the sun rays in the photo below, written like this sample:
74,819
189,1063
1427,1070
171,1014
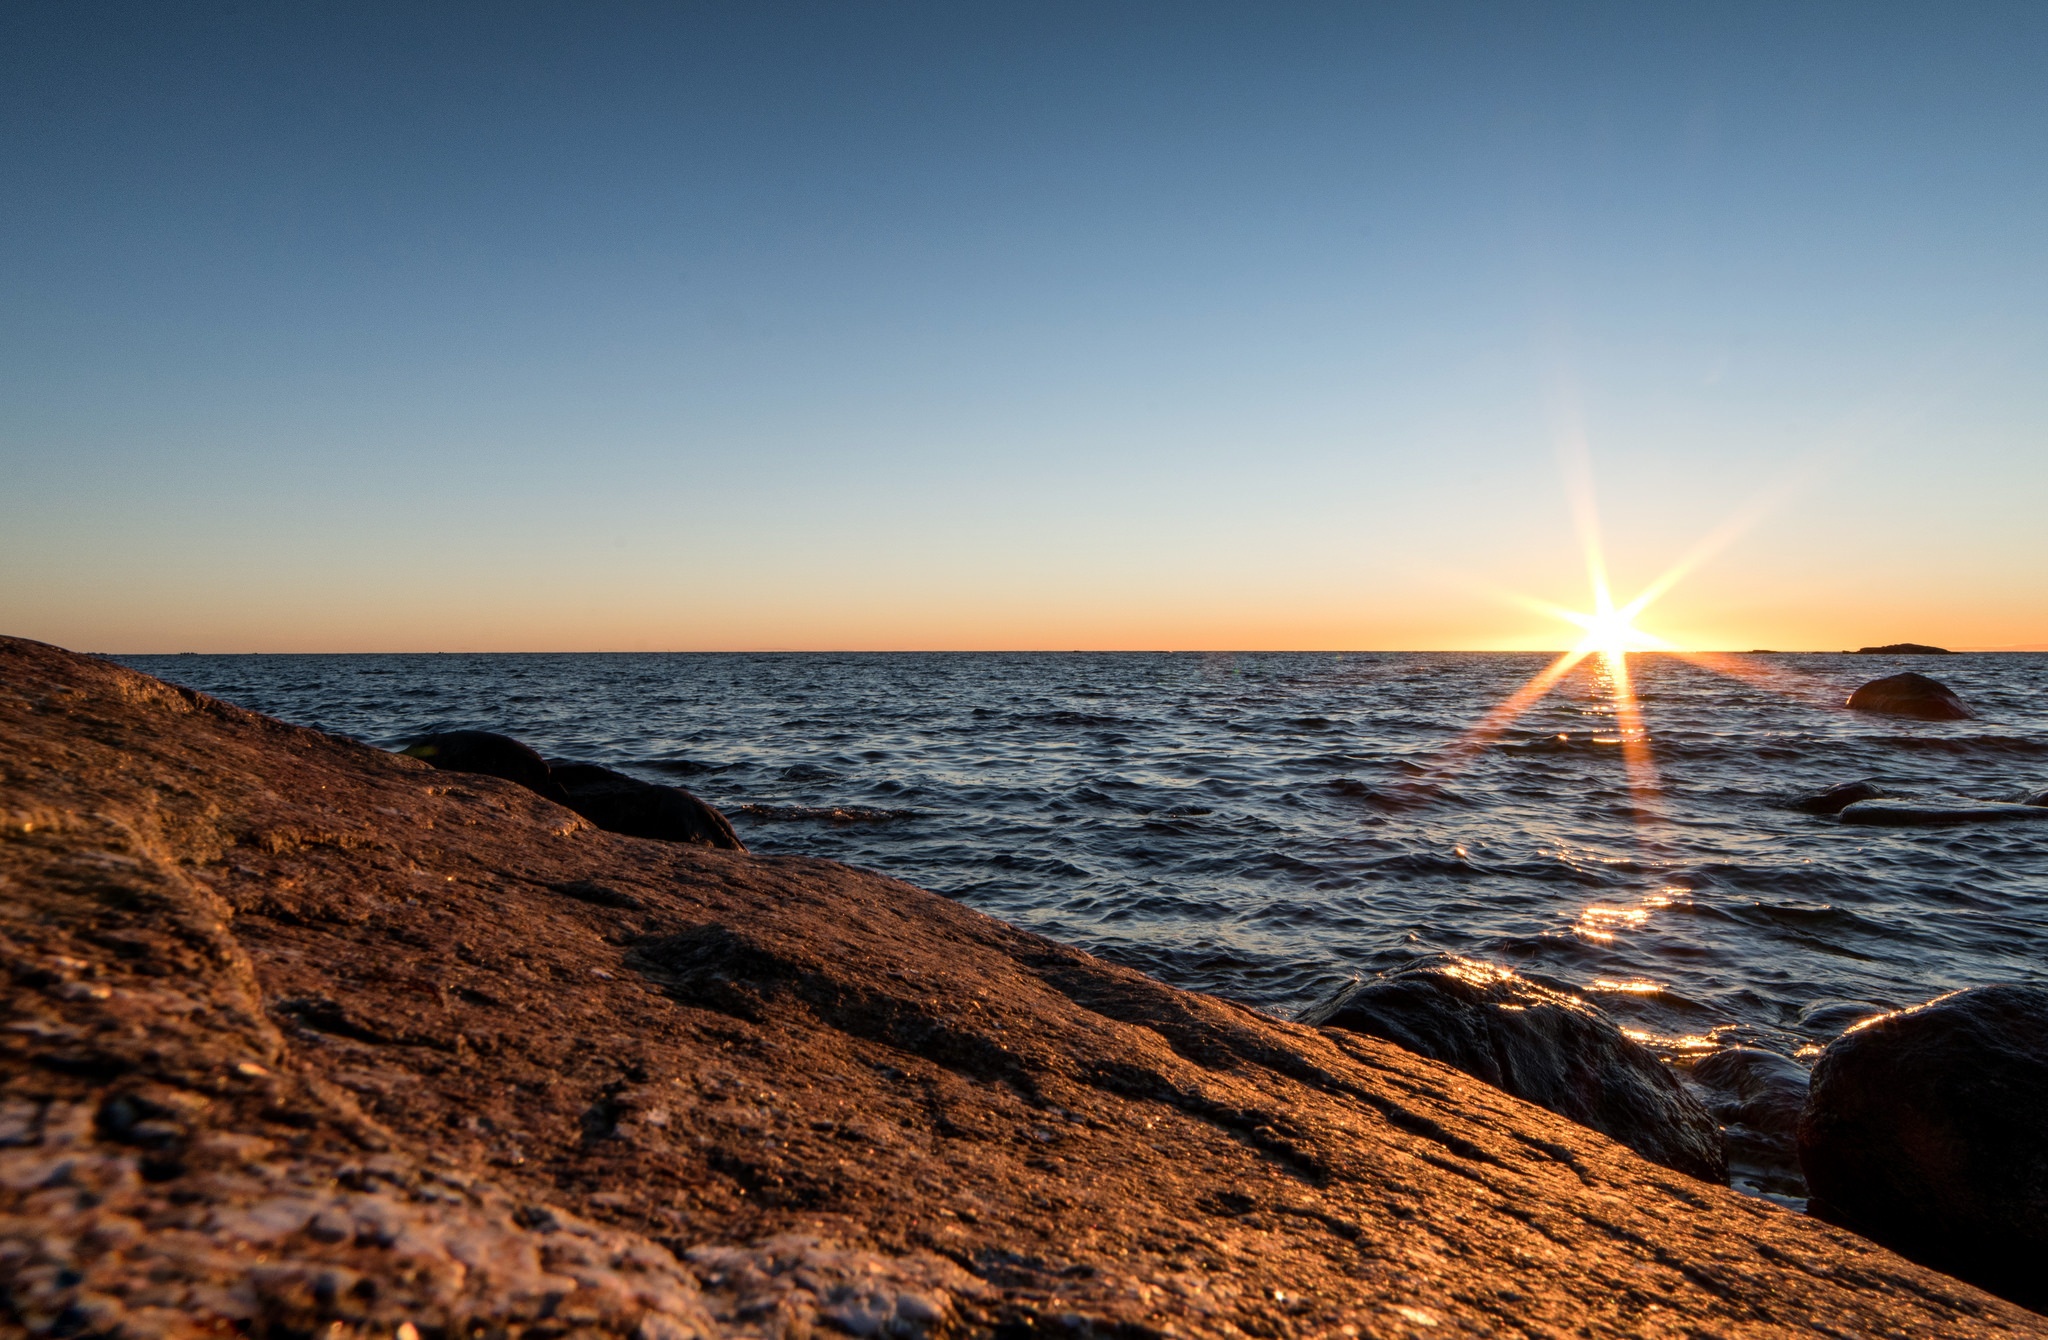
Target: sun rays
1608,635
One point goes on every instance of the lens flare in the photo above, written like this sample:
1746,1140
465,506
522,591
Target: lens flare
1608,634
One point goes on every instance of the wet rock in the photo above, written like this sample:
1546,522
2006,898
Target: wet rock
1904,649
1839,797
1547,1046
493,755
1910,695
1757,1096
1938,813
1925,1131
1826,1018
621,804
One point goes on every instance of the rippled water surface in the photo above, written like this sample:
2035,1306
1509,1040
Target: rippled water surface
1265,826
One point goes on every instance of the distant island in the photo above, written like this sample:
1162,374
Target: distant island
1904,649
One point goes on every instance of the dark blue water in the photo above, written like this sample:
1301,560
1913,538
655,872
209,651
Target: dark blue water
1265,826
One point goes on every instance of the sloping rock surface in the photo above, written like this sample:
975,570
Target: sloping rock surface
1928,1130
299,1033
1549,1047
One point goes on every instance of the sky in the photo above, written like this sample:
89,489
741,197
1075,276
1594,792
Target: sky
864,325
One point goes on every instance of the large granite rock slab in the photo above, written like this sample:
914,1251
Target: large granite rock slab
300,1033
1928,1130
1549,1047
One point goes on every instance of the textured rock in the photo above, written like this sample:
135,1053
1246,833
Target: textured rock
1925,1130
1910,695
1839,797
1551,1048
621,804
1938,813
300,1033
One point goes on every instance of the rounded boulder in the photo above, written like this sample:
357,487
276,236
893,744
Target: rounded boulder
493,755
1910,695
1545,1046
1927,1131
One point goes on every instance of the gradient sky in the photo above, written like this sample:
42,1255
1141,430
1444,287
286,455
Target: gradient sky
871,325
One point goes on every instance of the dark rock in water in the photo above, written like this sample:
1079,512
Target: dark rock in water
1904,649
1829,1017
1546,1046
481,751
621,804
1757,1096
1839,797
1910,695
2036,798
1925,1131
1937,813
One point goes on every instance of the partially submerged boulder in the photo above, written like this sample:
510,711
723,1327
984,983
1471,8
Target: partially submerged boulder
1910,695
611,800
1839,797
1927,1130
621,804
1549,1047
491,755
1939,813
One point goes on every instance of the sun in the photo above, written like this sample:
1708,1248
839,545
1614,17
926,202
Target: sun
1612,632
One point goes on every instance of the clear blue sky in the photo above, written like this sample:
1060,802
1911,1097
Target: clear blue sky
881,325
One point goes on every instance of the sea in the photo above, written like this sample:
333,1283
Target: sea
1272,826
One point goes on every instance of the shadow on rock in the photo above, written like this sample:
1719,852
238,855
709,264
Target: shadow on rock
1925,1131
1545,1046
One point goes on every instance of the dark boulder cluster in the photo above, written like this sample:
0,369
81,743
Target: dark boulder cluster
1543,1045
1927,1130
611,800
1870,803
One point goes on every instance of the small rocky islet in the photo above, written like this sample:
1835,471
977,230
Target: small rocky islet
306,1037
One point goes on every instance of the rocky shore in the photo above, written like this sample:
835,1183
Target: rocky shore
306,1038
